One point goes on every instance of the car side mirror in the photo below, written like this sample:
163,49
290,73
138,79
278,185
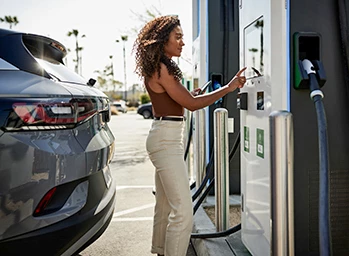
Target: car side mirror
91,82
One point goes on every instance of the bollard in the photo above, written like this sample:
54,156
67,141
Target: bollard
221,168
199,146
281,183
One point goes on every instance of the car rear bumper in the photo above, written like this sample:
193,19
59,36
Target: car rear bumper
68,236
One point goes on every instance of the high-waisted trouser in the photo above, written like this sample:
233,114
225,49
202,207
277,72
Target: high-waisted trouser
173,213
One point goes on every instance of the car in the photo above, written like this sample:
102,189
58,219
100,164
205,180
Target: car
120,106
57,195
145,110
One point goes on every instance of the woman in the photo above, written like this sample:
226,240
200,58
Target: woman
157,42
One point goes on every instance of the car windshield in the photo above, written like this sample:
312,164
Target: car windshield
60,72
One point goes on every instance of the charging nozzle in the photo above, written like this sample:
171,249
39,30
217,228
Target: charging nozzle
308,67
313,76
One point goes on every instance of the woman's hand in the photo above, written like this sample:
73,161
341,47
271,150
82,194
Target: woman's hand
238,80
196,92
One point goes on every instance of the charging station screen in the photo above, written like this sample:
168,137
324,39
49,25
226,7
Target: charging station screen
254,49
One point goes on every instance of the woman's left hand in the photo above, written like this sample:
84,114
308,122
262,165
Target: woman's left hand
196,92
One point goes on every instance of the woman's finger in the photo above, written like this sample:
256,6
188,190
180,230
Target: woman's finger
241,71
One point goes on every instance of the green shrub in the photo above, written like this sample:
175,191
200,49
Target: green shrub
145,98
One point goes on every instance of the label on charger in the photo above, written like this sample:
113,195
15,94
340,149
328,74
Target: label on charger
260,143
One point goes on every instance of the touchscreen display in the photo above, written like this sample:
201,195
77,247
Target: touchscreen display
254,49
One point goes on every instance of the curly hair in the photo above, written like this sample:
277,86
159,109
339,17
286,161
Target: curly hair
149,47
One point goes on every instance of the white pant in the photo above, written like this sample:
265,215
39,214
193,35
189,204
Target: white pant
173,214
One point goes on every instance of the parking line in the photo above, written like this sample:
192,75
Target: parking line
140,186
133,219
136,209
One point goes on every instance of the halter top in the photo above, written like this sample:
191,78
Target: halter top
163,104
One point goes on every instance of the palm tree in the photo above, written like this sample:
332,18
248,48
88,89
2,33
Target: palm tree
124,38
11,20
78,60
110,72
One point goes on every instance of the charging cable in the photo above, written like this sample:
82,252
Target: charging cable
324,218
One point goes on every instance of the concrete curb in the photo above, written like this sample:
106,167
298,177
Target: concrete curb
220,246
209,246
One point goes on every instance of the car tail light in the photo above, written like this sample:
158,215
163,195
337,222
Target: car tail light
44,202
64,199
39,114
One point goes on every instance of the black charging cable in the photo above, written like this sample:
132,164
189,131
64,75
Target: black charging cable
324,216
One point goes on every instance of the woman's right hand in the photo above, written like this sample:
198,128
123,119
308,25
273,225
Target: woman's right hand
238,80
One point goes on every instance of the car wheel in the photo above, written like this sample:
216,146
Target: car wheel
146,114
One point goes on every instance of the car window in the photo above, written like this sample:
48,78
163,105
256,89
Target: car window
60,72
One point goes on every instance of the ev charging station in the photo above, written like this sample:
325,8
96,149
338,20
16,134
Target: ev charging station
277,38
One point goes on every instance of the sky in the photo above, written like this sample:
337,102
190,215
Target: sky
102,22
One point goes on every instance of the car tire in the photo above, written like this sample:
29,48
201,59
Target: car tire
146,114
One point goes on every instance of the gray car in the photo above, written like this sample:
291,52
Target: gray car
56,191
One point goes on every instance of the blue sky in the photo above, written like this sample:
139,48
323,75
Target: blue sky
102,22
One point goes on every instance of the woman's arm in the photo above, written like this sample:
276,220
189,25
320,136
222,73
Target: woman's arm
191,102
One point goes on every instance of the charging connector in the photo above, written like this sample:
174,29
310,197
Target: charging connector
311,72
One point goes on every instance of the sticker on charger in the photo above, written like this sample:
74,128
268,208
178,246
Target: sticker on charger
260,100
260,143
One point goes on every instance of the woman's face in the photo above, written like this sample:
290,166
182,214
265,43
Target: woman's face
173,47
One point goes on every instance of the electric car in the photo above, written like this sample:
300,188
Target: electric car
57,195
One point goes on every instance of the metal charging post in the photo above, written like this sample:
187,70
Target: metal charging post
199,145
221,168
281,183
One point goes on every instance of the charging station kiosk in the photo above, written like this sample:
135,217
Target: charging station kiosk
273,37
